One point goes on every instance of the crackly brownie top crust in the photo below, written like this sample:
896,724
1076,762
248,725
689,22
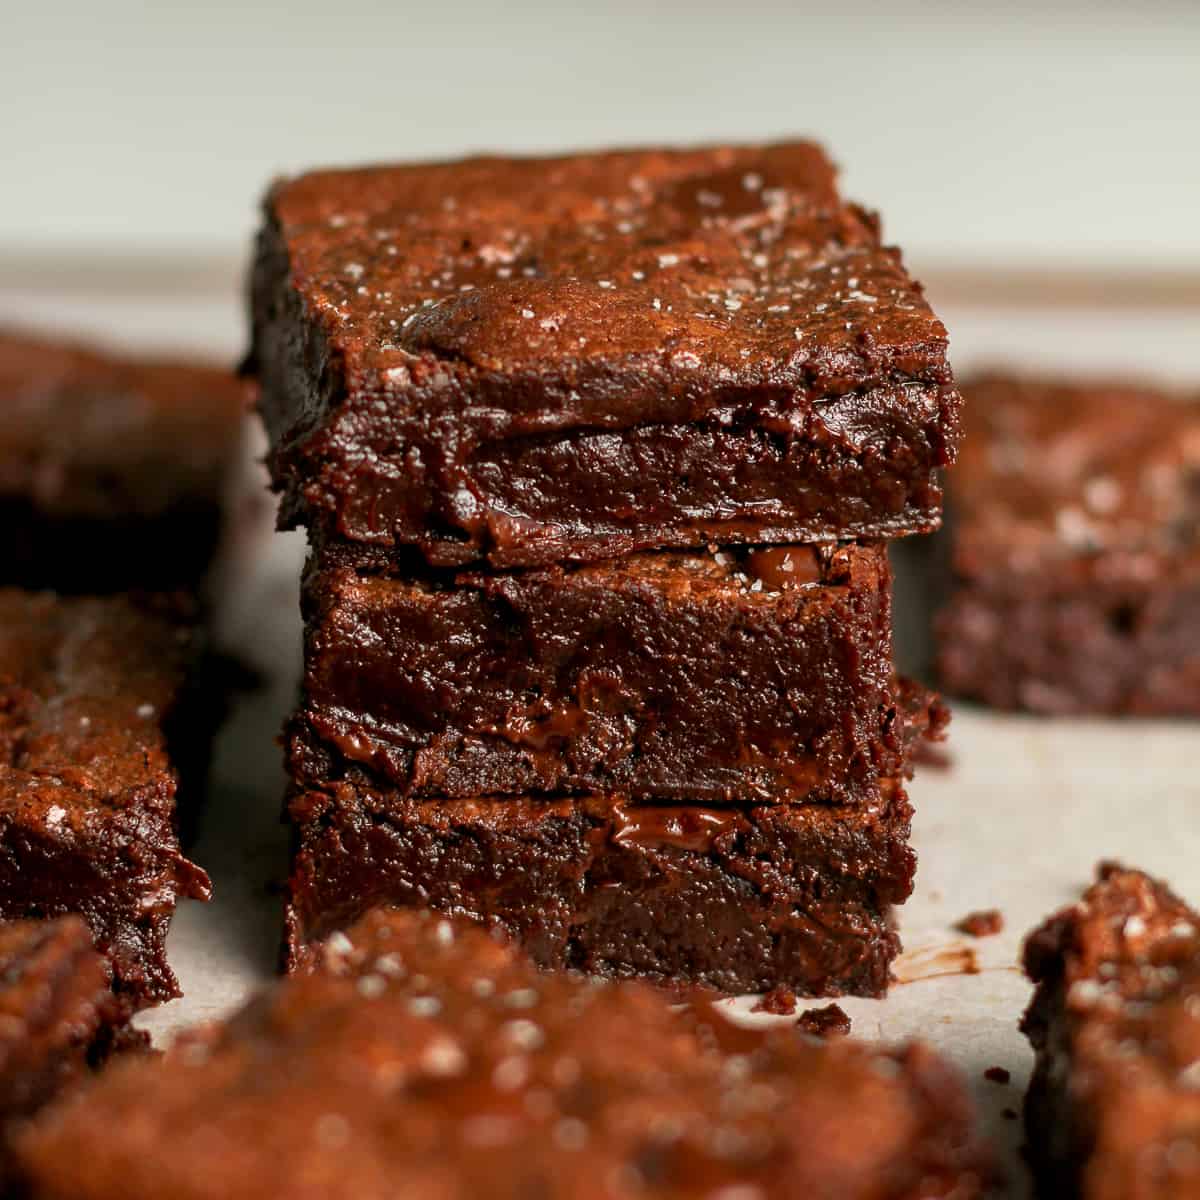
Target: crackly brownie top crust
712,267
1059,470
1118,1014
84,432
424,1058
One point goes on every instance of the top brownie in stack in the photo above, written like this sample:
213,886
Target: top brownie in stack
543,360
112,468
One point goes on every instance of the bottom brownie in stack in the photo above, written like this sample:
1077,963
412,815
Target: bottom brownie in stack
740,898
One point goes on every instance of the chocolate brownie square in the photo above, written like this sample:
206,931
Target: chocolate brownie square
739,898
426,1059
1114,1104
734,676
59,1019
1075,549
566,359
112,467
96,715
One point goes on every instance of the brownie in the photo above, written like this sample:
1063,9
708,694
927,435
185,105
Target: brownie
111,467
95,713
1075,518
740,898
751,677
542,360
1114,1104
58,1019
425,1059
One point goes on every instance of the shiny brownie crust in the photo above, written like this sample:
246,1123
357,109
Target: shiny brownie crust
97,714
724,677
541,360
1075,549
741,899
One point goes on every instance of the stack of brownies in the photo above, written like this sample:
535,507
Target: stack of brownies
596,457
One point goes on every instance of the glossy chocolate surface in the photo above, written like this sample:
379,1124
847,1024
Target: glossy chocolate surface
540,360
756,677
111,467
90,715
740,898
424,1058
1075,549
1114,1109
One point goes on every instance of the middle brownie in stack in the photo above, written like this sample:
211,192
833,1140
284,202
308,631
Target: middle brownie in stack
591,452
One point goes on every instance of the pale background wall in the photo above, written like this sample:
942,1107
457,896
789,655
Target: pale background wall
1059,133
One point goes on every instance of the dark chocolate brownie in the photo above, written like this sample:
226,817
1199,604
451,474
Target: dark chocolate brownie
58,1018
1113,1110
540,360
91,729
111,467
703,677
739,898
425,1059
1075,549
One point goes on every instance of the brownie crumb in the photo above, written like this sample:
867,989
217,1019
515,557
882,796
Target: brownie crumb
830,1021
997,1075
986,923
779,1001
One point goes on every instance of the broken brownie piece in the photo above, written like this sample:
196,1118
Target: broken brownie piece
739,898
729,677
567,359
1075,549
986,922
1114,1105
58,1018
829,1021
112,467
95,717
424,1058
